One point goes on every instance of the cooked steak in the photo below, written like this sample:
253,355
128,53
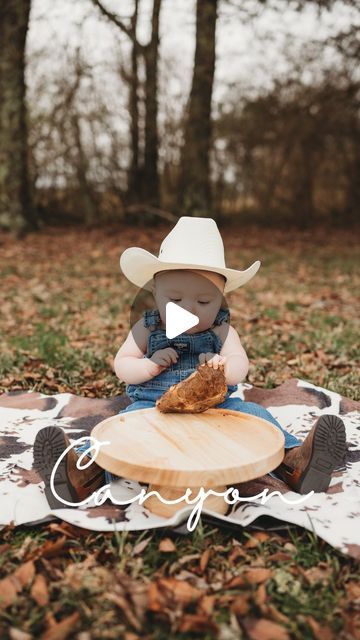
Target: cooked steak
204,388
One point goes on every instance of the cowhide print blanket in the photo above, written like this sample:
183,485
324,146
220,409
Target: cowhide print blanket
333,516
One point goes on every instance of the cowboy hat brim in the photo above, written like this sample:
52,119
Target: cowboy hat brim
139,266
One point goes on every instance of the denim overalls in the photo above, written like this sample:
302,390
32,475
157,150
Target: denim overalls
188,346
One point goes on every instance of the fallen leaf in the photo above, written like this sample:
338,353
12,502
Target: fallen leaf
206,604
168,590
167,546
197,623
256,539
240,606
256,575
25,573
69,530
87,574
320,631
352,625
17,634
189,558
264,629
50,620
273,613
128,635
280,555
139,548
353,591
236,581
23,550
39,591
61,630
225,599
205,556
124,605
234,554
261,595
318,574
15,582
50,549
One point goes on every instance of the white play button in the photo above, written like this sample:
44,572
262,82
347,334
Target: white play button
178,320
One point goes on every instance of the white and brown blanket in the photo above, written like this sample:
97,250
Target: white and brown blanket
334,515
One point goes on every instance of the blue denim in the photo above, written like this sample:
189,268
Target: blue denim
189,347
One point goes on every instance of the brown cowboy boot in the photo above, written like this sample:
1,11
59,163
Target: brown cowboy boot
71,484
309,467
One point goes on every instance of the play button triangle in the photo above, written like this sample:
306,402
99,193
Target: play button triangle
178,320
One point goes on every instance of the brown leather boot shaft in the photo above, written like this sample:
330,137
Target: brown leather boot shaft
309,467
295,461
91,478
298,457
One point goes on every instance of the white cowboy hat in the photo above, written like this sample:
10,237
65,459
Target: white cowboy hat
194,243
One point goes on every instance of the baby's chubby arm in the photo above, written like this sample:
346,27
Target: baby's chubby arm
130,365
237,362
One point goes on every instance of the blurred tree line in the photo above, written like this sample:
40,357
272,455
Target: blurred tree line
289,153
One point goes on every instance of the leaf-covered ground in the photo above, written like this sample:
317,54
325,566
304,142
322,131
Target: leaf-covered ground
64,313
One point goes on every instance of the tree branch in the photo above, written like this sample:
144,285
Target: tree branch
116,20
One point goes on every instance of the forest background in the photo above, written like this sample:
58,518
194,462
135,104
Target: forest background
117,117
243,111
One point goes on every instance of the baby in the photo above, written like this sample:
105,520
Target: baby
147,353
190,271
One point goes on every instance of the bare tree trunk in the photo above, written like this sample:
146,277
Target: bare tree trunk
134,174
304,192
146,176
195,191
82,166
151,156
276,171
16,207
353,173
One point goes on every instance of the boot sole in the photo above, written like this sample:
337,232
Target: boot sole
49,444
328,451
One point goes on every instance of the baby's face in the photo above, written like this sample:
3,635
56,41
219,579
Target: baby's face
191,290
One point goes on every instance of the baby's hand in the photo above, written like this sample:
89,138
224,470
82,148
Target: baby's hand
164,357
213,360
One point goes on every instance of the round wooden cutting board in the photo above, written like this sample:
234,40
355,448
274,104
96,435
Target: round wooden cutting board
216,448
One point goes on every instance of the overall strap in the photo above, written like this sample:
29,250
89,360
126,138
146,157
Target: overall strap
223,315
152,319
